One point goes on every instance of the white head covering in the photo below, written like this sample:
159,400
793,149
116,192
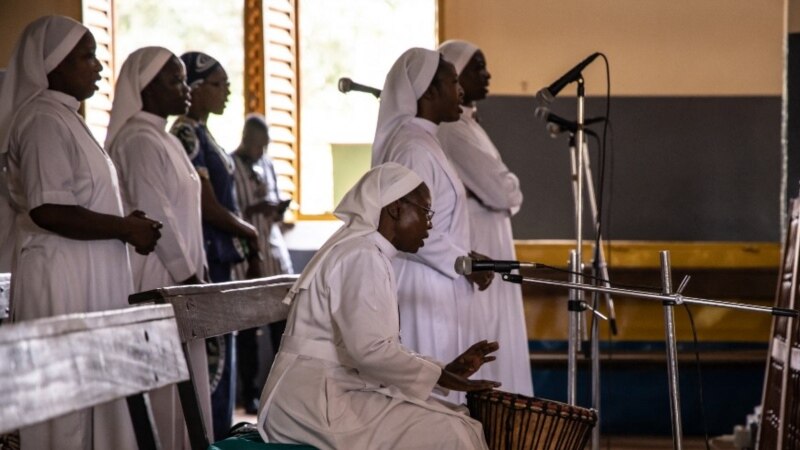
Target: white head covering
44,43
137,71
360,209
406,81
458,53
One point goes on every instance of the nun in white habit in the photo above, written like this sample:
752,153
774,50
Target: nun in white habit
156,176
494,196
71,254
419,93
342,379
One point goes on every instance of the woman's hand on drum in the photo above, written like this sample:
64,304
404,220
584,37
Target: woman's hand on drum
471,360
455,382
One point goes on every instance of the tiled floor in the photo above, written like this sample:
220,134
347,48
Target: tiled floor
240,416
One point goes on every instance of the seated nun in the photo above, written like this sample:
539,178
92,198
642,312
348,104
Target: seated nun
342,378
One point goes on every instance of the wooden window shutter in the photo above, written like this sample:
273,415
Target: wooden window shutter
271,82
99,18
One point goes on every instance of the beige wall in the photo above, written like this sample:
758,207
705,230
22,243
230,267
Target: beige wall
15,14
674,47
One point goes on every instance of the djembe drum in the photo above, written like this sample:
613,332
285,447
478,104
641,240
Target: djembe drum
517,422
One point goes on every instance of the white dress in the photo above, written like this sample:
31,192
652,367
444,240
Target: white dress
496,196
158,178
53,159
434,300
342,379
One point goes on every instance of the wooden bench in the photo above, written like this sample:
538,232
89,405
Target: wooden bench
115,354
206,311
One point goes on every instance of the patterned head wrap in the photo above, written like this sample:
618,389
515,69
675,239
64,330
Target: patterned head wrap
198,67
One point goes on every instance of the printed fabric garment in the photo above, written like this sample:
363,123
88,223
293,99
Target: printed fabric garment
255,183
223,250
213,163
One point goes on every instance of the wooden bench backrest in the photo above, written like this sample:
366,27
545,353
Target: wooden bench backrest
205,311
209,310
62,364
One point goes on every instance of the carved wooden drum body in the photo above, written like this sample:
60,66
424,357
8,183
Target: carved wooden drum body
517,422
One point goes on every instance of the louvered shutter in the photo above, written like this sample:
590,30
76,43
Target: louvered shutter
98,17
272,83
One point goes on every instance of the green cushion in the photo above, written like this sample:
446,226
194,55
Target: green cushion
253,441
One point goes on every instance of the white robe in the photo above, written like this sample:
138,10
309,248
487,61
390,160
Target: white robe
53,159
498,313
158,178
342,379
434,300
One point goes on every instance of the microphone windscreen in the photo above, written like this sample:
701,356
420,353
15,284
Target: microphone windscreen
553,129
463,265
345,85
544,97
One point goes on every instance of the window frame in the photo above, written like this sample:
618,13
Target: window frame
257,64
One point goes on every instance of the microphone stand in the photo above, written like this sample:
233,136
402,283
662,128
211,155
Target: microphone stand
581,173
668,299
600,269
575,305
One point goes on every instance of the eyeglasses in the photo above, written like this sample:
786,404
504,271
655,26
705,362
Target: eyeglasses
220,84
428,212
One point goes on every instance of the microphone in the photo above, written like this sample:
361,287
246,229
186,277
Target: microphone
346,85
465,265
545,96
557,124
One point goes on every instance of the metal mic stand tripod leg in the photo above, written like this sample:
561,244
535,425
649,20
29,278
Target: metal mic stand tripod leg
601,271
672,351
575,303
